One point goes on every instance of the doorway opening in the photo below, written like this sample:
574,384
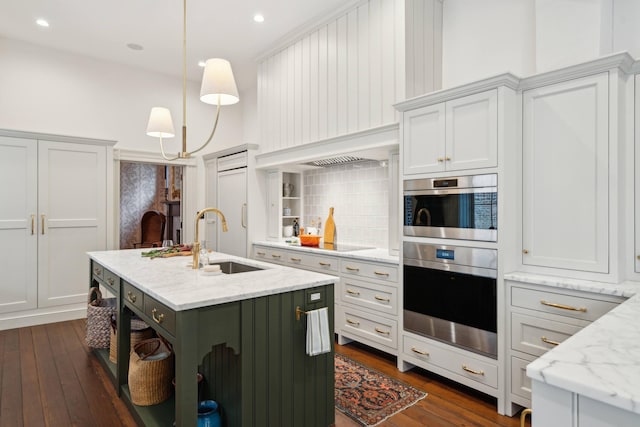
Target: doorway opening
148,187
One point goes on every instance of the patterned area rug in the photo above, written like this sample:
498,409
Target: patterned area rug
367,396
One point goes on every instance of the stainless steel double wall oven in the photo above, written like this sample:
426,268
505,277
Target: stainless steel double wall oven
450,290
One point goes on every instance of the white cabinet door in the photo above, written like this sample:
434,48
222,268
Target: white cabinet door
19,225
565,176
232,201
472,131
637,177
72,208
423,140
273,205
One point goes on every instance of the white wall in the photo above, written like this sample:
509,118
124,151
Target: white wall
626,31
49,91
485,38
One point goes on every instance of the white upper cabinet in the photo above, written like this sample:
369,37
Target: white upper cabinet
454,135
565,177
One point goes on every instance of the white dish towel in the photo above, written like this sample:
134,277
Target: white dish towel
318,339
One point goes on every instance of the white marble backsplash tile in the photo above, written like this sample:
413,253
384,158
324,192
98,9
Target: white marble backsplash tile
359,194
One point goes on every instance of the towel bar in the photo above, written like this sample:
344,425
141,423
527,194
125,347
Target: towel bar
300,311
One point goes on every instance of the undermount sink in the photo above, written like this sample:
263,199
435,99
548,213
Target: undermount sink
232,267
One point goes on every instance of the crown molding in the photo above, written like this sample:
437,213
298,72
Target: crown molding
149,157
57,138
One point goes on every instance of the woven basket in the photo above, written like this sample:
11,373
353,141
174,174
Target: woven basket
140,331
150,372
99,312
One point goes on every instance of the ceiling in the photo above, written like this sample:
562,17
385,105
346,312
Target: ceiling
215,28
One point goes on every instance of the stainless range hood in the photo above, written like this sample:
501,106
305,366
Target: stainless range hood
372,144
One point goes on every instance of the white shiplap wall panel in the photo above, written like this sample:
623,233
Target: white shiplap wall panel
375,61
352,71
332,79
345,75
313,86
322,83
341,45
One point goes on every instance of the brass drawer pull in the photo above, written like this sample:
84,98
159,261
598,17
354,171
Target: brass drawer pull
420,352
440,159
381,273
379,298
352,268
563,307
97,271
448,159
353,322
525,251
42,221
131,296
296,259
471,371
157,319
33,225
324,264
352,292
110,280
548,341
380,331
276,255
261,253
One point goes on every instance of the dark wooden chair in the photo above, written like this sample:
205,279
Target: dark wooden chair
152,230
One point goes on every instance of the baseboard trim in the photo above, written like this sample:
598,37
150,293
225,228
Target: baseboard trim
42,316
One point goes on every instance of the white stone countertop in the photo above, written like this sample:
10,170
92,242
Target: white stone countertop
373,254
171,282
602,361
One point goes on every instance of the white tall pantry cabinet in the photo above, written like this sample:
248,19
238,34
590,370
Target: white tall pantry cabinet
54,210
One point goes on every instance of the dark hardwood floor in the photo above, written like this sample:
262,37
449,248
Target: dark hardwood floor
48,377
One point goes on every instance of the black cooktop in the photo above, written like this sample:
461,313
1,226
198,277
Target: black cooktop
339,247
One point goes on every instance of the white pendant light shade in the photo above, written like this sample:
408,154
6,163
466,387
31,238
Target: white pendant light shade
218,81
160,124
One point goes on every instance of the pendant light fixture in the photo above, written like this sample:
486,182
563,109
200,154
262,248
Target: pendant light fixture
218,88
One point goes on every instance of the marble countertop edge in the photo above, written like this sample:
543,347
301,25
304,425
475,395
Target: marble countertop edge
372,254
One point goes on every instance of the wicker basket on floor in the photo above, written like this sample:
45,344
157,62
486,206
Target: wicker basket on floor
99,312
151,369
140,331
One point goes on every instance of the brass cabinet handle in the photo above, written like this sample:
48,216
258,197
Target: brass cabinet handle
42,222
110,280
33,225
563,307
440,159
98,271
380,331
158,319
353,322
420,352
261,253
472,371
352,292
243,215
295,259
548,341
448,159
131,297
379,298
638,257
324,264
381,273
525,251
352,268
276,255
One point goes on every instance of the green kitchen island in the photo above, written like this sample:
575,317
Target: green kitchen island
239,329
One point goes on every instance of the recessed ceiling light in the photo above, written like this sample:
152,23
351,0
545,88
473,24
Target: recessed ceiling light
134,46
42,22
202,63
258,17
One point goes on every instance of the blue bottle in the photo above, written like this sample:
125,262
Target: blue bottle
208,415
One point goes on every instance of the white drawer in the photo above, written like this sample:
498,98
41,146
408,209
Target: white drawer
386,272
314,262
536,336
381,298
369,326
520,382
457,362
560,304
268,254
